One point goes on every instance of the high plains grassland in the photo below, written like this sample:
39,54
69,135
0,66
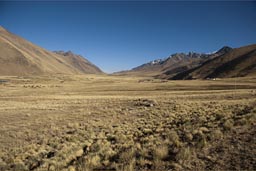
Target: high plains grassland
103,122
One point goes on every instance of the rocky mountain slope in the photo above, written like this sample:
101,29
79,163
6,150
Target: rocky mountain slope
21,57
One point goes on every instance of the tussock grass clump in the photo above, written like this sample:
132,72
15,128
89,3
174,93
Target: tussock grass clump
228,124
92,162
184,155
160,152
216,135
174,138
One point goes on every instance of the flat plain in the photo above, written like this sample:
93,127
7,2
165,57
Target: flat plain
100,122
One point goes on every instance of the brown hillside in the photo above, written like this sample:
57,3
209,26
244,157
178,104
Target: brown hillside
20,57
79,62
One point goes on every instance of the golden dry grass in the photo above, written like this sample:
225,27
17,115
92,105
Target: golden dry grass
89,122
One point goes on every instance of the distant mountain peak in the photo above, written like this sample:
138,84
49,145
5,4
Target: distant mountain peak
180,56
64,53
67,53
224,50
157,61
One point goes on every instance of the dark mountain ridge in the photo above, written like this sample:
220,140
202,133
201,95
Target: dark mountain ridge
233,63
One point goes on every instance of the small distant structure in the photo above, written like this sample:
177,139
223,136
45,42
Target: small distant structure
214,79
3,81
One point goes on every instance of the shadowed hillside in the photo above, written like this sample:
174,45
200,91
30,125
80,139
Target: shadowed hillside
236,63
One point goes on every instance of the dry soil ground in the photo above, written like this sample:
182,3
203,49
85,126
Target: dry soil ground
119,123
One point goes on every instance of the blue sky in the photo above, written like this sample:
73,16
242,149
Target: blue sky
119,35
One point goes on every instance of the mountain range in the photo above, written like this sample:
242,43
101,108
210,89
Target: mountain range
21,57
226,62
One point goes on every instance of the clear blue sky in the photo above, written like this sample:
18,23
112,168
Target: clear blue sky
122,35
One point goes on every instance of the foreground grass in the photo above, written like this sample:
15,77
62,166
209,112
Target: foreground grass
121,123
